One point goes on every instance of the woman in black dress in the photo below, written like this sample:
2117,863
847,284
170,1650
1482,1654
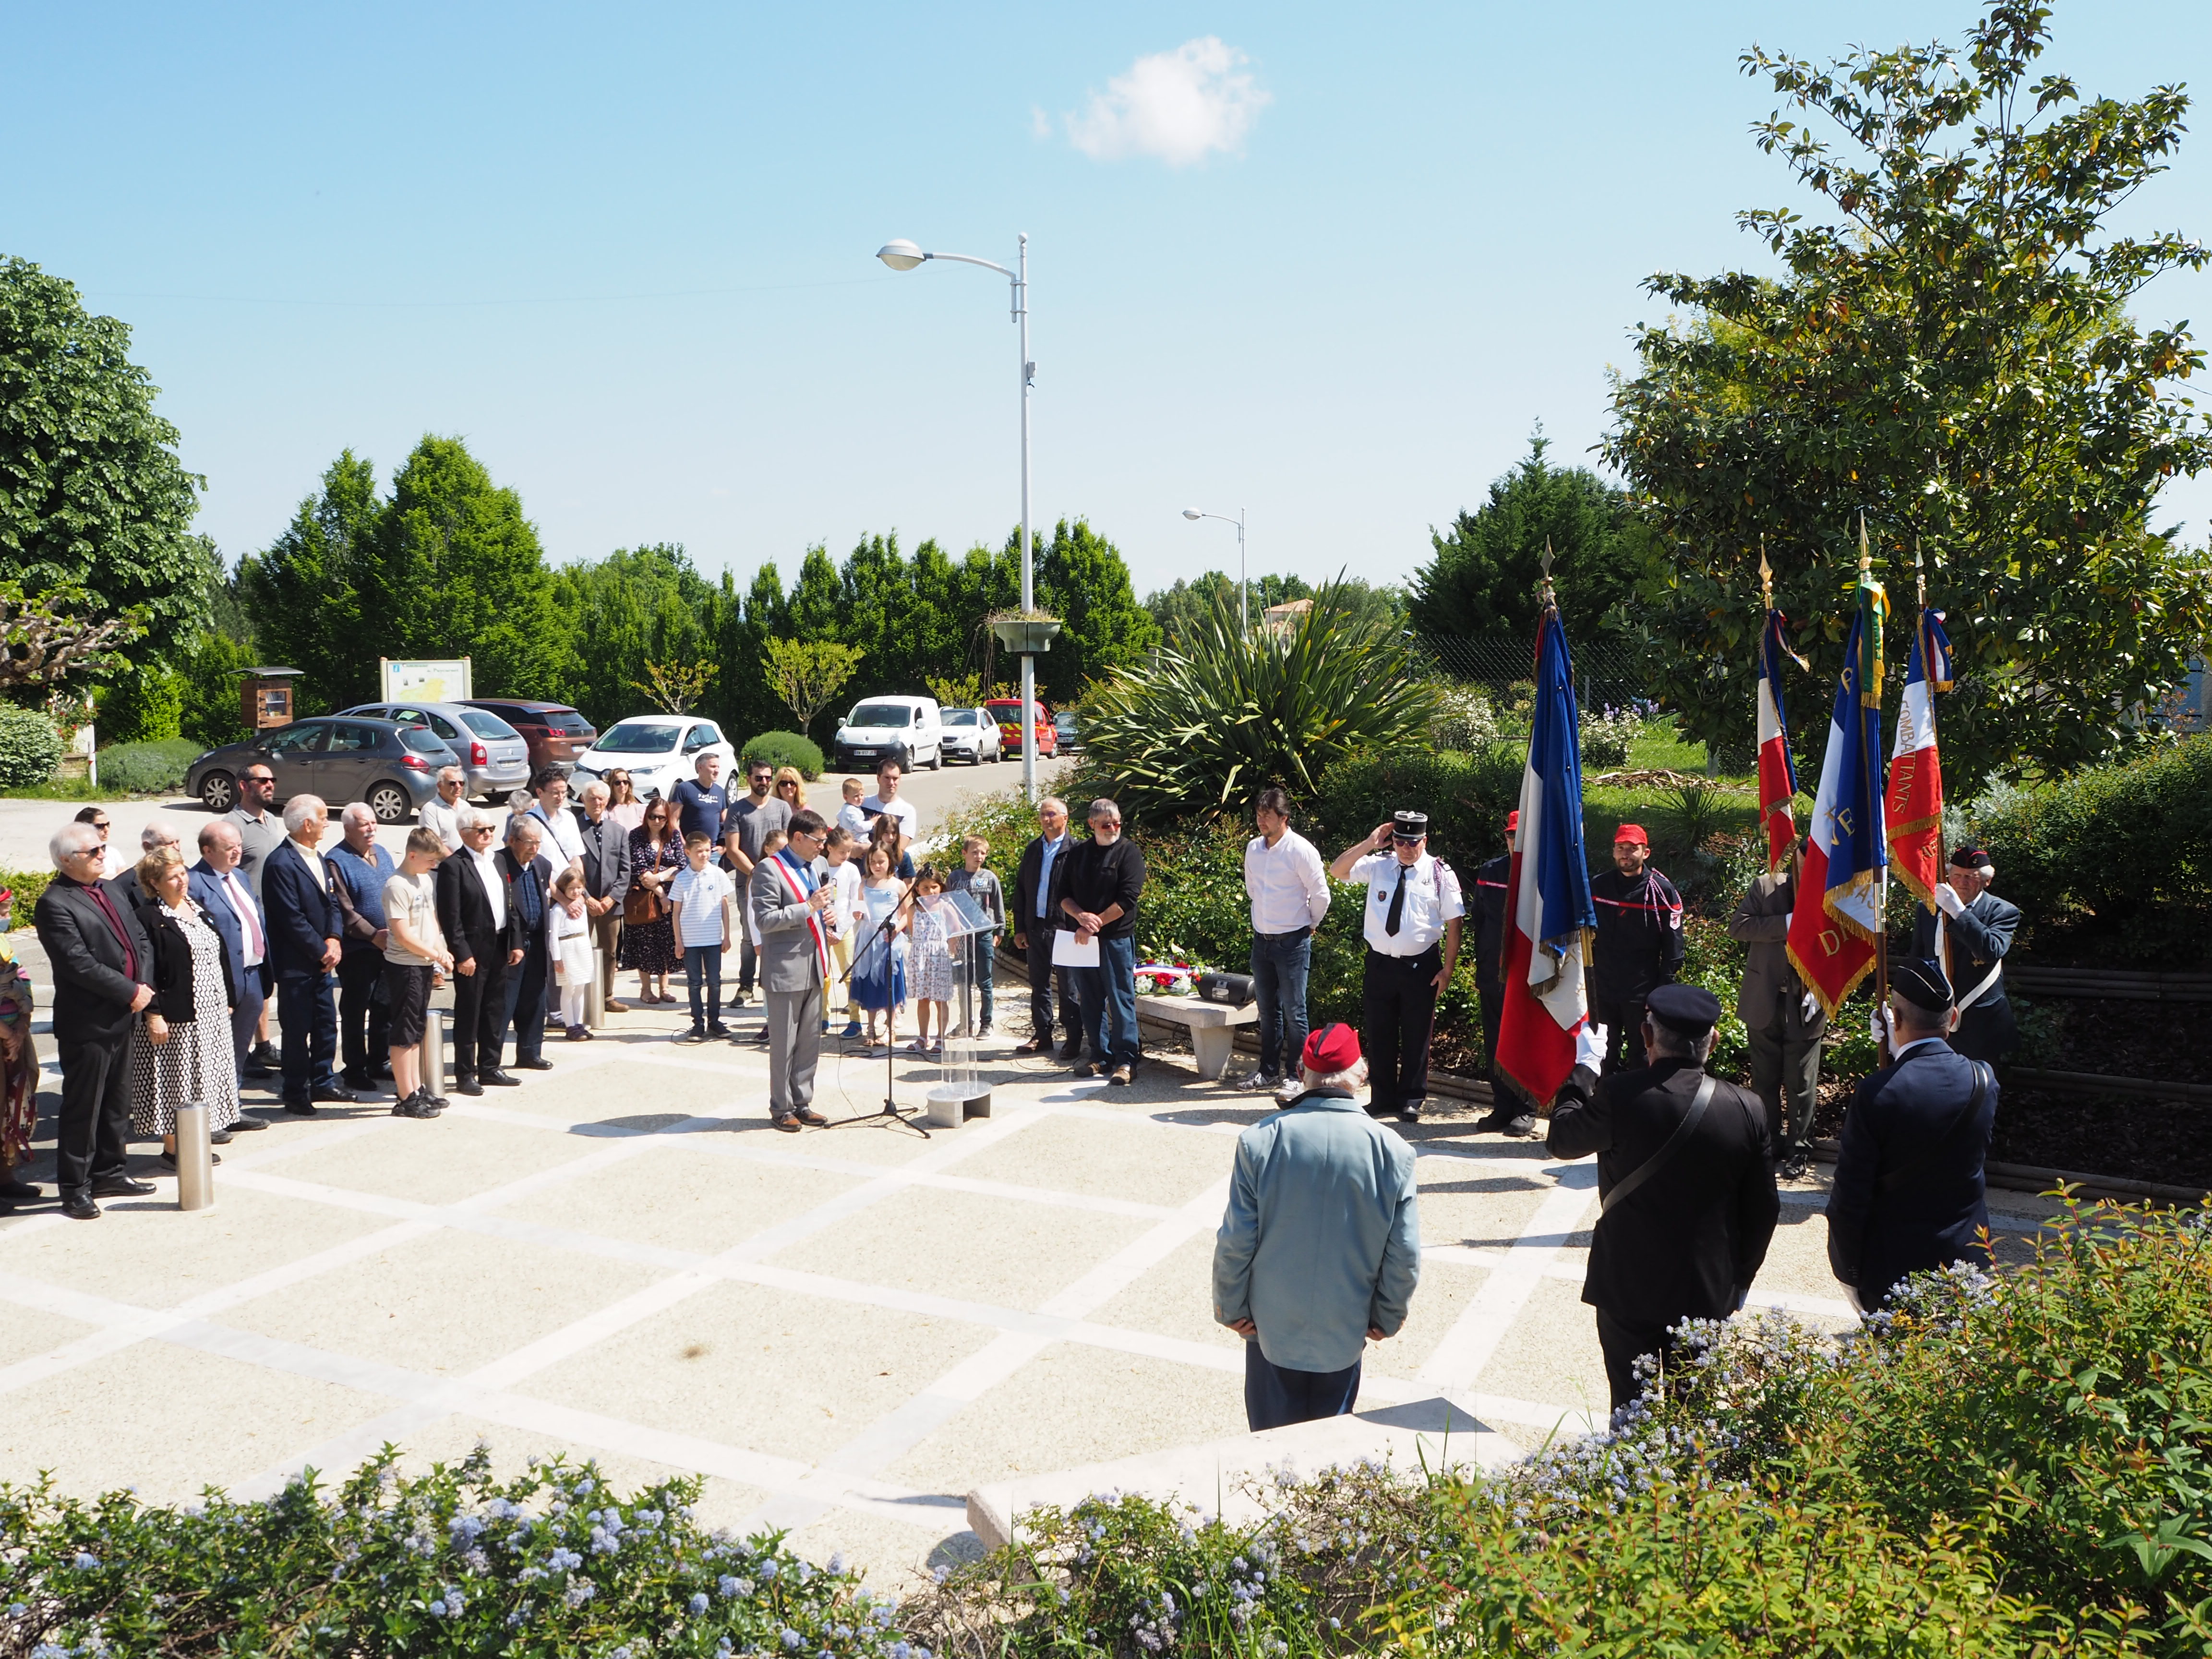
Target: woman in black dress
648,936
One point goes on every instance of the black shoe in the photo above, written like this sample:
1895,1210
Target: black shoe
77,1205
535,1063
262,1053
18,1192
1035,1046
299,1109
121,1186
1796,1166
1409,1111
468,1085
169,1163
360,1082
254,1068
413,1106
1498,1122
1070,1055
717,1029
333,1095
219,1137
499,1080
1523,1126
247,1121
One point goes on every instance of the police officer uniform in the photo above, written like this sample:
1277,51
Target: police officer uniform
1969,943
1639,946
1410,910
1908,1192
1493,897
1686,1174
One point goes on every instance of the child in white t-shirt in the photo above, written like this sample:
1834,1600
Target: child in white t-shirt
700,895
850,818
847,914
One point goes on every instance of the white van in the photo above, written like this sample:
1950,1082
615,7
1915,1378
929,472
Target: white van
909,727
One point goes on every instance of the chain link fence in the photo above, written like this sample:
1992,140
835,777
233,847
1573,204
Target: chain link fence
1606,673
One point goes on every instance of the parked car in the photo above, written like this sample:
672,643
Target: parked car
556,734
658,751
1068,732
972,735
494,755
342,757
1007,711
910,727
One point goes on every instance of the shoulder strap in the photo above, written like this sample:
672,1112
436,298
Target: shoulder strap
1966,1114
1674,1143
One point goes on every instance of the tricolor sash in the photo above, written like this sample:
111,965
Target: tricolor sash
800,881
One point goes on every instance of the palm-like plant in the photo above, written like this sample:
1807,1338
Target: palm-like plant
1230,712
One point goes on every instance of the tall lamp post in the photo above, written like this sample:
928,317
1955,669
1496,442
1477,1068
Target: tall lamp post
903,255
1243,616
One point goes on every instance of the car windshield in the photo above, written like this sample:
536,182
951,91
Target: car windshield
487,725
880,713
567,723
651,738
960,717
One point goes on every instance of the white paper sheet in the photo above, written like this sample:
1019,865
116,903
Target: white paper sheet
1068,951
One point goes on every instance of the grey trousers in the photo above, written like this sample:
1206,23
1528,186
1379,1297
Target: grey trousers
794,1044
1785,1073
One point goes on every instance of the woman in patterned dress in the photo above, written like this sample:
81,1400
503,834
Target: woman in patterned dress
180,1052
656,854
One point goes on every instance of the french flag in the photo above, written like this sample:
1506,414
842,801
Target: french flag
1550,920
1777,777
1837,920
1914,803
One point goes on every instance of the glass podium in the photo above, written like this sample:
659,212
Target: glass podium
957,1094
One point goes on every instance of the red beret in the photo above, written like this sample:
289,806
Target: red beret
1630,832
1334,1048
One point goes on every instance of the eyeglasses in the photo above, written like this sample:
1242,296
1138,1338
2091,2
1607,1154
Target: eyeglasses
787,784
261,777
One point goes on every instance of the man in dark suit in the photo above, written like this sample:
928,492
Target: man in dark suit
479,927
1686,1177
101,961
304,929
1486,905
1038,881
606,884
240,921
529,878
1968,935
1908,1193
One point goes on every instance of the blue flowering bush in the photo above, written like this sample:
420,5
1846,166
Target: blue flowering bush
551,1564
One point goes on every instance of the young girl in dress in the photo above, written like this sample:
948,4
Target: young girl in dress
568,943
933,961
879,985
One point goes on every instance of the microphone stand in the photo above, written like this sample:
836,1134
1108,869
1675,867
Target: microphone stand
886,931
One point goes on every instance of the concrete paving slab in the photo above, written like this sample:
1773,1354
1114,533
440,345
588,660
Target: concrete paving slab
668,1195
441,1163
1551,1352
1162,1300
1082,1155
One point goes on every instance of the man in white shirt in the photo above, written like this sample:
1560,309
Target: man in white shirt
564,842
1411,925
230,904
441,817
887,801
1289,891
260,832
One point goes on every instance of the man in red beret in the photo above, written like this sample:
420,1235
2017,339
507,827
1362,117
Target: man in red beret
1321,1247
1639,943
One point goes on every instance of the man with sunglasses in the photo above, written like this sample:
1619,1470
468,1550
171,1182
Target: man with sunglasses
101,961
747,823
1412,922
260,832
789,904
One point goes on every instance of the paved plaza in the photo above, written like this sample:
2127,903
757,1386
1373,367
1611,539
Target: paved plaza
845,1332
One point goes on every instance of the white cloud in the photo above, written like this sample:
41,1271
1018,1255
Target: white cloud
1179,106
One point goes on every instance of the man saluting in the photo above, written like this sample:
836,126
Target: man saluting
1967,935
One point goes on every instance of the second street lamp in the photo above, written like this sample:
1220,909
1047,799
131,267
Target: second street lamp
1243,617
903,255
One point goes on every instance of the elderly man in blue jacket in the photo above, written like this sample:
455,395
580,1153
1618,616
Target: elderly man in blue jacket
1321,1247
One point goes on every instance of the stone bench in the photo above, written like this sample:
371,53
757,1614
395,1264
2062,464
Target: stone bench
1212,1026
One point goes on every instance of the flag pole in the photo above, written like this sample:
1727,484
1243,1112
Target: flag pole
1881,901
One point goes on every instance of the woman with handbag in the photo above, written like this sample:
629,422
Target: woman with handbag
180,1052
648,939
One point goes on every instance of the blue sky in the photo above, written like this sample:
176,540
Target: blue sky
627,255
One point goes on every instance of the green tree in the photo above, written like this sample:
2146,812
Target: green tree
94,502
305,592
1949,353
807,673
1082,579
637,606
1180,611
1487,571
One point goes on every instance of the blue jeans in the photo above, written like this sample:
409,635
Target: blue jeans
1280,963
982,954
1276,1395
1109,995
704,962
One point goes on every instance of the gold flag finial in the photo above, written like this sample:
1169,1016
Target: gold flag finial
1866,559
1550,599
1919,577
1765,574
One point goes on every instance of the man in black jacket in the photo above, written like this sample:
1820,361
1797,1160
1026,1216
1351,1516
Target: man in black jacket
529,878
606,884
1036,918
1639,944
1686,1177
101,961
305,927
1105,874
1908,1193
1968,935
480,930
1509,1112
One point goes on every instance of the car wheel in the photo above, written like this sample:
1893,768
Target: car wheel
218,791
389,802
937,758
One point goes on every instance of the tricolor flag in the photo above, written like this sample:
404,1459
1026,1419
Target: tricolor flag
1914,803
1777,778
1832,940
1549,919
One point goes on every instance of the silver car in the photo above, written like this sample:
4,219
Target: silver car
492,754
394,768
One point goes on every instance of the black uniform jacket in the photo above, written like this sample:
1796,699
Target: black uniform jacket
1489,899
1980,936
1639,933
1688,1241
1935,1215
92,996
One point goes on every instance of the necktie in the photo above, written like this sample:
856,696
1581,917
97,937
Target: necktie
244,906
1397,904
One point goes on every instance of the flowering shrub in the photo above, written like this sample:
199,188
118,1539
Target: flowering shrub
450,1563
1606,735
1464,719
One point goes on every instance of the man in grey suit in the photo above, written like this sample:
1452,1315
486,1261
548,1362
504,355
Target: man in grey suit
1783,1022
786,904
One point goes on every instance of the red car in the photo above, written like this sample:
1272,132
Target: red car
1007,711
556,734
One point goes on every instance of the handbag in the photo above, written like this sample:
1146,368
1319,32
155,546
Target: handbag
1235,989
642,905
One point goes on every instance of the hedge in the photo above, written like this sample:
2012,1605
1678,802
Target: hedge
30,747
147,768
782,749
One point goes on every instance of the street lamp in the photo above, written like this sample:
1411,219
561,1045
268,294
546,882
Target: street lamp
1243,616
903,255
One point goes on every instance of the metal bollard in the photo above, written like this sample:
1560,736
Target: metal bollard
595,993
195,1158
431,1052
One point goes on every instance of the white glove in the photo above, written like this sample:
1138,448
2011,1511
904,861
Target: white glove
1947,901
1590,1046
1812,1005
1874,1028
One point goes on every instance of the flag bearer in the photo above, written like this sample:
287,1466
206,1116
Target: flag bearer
1784,1021
1639,943
1493,894
1969,935
1411,923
